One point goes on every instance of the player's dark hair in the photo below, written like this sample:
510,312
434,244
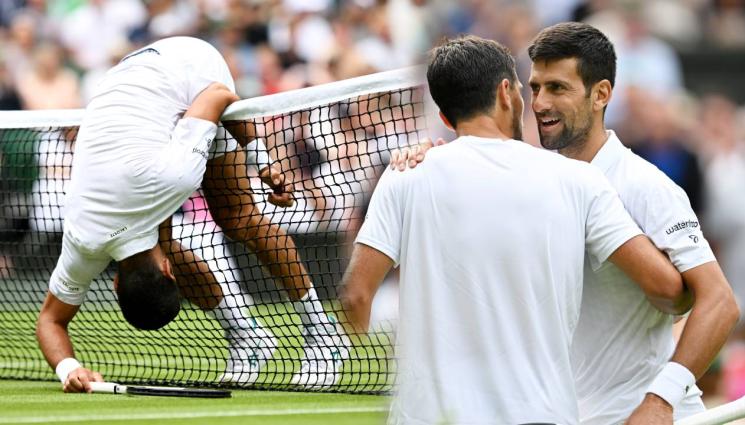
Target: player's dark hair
596,57
148,298
464,73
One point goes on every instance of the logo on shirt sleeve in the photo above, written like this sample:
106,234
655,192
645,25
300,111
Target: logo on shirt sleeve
690,224
118,232
69,287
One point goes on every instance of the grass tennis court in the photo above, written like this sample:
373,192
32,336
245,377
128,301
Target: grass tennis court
23,402
190,351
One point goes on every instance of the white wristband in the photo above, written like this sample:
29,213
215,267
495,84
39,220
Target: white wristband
65,367
672,383
257,154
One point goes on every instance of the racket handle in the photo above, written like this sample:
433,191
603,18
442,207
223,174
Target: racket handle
108,388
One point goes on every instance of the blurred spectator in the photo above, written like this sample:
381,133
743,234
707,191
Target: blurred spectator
20,45
167,18
724,151
92,77
91,31
653,132
9,99
49,85
726,23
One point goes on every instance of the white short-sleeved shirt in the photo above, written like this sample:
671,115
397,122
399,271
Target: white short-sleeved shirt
622,341
491,236
136,160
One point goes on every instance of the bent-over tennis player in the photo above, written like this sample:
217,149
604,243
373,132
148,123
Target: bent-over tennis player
147,142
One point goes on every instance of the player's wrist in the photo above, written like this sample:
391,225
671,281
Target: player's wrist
672,383
65,366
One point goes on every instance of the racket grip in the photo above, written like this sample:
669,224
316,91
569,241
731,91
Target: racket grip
108,388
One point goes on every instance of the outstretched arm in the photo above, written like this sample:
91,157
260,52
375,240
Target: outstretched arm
366,271
55,344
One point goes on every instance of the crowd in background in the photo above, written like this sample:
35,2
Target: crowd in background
53,52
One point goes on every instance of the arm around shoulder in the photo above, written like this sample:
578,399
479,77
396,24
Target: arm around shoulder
654,273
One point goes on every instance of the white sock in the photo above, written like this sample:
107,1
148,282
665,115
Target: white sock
231,311
310,309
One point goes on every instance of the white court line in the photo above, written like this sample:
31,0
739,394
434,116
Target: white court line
190,415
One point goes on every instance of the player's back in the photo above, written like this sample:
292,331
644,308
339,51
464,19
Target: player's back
125,156
491,255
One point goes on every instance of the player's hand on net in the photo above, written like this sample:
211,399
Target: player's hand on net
412,155
79,380
653,411
281,185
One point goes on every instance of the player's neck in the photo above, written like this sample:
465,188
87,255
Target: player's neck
483,126
586,151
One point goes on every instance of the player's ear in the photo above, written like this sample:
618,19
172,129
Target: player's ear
504,94
446,121
601,95
167,269
116,281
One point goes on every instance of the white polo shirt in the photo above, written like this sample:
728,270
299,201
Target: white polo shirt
622,341
491,236
136,161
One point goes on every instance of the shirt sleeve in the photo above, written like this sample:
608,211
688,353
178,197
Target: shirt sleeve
382,229
669,221
608,224
74,272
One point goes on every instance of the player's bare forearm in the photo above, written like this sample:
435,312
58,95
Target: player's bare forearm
654,273
242,131
51,329
363,276
711,320
55,343
210,104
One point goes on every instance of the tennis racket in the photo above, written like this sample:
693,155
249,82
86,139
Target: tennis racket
718,415
114,388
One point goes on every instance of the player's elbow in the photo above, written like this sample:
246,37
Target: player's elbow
719,300
356,305
353,300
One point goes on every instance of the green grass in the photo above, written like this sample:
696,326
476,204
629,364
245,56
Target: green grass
23,402
189,351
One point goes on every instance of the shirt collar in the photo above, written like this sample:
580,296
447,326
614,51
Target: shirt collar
610,153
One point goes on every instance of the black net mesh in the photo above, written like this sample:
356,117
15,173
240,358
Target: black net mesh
241,262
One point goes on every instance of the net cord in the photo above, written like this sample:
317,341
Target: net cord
256,107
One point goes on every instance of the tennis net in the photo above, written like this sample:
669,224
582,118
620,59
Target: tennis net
333,140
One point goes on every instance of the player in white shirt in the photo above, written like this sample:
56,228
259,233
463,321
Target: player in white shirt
147,142
574,64
572,81
491,236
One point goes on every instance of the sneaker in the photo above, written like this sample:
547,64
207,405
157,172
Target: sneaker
326,348
248,352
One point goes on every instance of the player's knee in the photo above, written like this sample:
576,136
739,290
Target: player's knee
147,297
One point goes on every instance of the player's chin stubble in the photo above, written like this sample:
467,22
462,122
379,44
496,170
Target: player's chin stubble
569,138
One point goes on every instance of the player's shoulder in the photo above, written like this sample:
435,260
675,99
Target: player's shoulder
638,178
